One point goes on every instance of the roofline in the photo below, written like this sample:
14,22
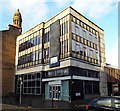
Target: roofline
58,14
86,18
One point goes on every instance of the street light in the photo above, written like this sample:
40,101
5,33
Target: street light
20,88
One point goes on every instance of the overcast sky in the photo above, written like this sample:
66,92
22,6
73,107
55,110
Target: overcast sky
104,13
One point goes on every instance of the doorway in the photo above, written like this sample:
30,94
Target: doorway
55,92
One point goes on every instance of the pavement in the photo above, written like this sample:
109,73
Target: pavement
42,105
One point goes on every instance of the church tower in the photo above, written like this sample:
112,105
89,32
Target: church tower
17,19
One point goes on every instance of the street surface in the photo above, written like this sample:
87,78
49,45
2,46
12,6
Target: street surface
6,107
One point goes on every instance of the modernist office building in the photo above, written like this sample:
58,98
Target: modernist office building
62,58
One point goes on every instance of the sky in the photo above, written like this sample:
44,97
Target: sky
103,13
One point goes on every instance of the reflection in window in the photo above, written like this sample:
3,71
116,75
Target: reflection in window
87,35
81,49
80,31
96,55
73,27
77,47
77,29
73,46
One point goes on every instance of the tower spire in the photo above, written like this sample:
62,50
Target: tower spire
17,19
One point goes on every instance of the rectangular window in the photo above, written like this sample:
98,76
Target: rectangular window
37,55
73,27
81,49
77,29
95,39
84,51
96,55
73,46
80,31
77,47
33,56
88,87
90,38
83,34
37,40
91,53
40,54
87,51
87,35
32,42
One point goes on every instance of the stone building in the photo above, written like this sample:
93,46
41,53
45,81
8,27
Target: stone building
62,58
113,78
8,52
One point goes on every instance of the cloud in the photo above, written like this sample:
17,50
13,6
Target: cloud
94,8
112,55
33,11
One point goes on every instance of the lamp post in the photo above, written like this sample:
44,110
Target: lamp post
20,88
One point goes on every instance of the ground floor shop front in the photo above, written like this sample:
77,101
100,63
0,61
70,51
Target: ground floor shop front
69,90
68,84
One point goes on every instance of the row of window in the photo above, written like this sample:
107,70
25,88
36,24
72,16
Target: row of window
84,41
30,43
81,49
31,57
84,25
78,30
91,87
72,71
64,28
31,84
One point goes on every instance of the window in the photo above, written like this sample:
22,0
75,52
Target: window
90,38
77,47
66,27
81,49
96,55
73,27
87,51
77,29
37,40
37,55
32,42
84,51
87,35
88,87
40,39
33,56
84,34
73,46
91,53
80,31
95,39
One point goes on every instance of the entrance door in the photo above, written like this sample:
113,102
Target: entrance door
55,92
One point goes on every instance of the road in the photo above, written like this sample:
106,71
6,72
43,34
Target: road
6,107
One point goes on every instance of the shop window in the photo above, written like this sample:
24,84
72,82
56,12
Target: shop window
95,88
59,72
88,87
85,72
66,71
